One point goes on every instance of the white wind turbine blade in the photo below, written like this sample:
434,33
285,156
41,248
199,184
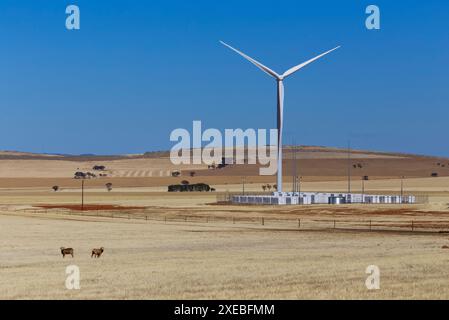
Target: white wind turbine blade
256,63
302,65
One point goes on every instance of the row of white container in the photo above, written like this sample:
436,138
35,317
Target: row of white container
287,198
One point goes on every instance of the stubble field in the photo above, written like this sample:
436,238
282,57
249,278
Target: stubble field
154,260
185,245
220,259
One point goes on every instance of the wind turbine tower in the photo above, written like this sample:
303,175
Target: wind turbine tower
280,99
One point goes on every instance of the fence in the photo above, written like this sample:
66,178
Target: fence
386,225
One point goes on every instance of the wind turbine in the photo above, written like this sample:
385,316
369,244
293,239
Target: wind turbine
280,97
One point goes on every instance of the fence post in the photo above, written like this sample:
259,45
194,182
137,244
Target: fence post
334,224
146,217
263,221
299,223
233,220
370,225
129,216
412,226
165,219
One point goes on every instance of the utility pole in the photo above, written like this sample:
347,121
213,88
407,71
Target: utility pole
402,189
363,189
295,172
349,168
82,194
243,185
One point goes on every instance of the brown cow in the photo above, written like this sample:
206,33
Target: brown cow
67,251
97,252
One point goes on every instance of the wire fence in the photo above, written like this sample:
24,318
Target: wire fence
323,224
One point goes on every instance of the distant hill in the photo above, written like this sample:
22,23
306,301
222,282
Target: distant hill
288,150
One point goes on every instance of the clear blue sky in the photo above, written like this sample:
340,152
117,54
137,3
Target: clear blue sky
139,69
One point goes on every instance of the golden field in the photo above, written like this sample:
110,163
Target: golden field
180,245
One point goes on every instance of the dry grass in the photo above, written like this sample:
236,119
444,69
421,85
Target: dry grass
219,259
152,260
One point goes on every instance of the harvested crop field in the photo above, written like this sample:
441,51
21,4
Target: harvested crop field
219,261
163,245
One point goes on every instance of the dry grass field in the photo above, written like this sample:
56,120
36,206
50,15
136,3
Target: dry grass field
153,260
185,245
